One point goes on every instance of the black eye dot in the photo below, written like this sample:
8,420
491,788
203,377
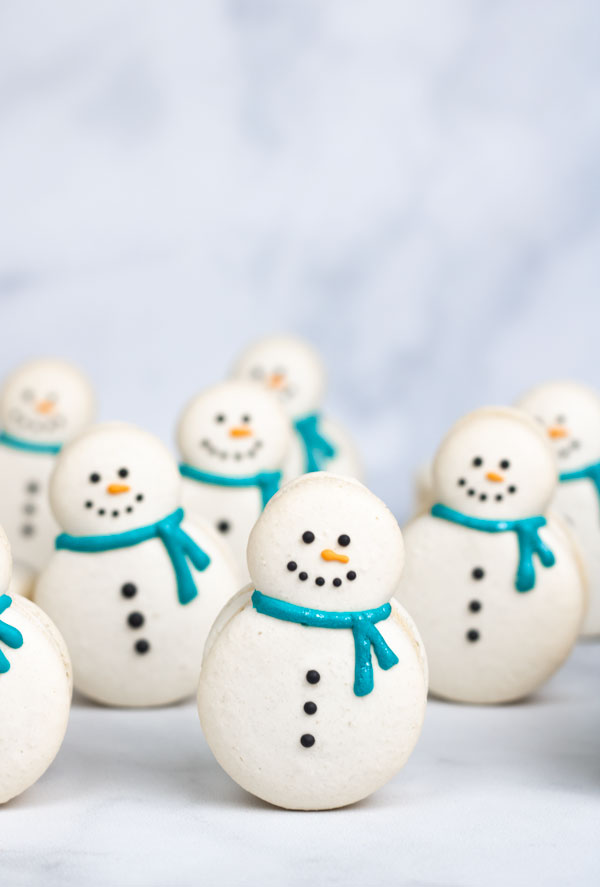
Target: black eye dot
505,464
477,461
122,472
292,565
343,540
308,537
94,478
246,418
351,575
512,489
223,526
219,417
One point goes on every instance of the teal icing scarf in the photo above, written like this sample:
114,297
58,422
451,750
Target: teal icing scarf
179,545
590,472
316,447
266,481
9,635
528,537
360,622
17,443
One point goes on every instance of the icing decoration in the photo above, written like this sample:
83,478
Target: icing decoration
18,443
178,543
527,533
317,447
589,472
360,622
266,481
9,635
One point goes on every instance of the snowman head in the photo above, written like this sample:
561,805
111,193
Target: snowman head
569,413
288,366
5,562
236,428
46,401
113,478
326,542
495,464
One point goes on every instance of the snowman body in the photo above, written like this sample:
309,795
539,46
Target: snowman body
231,511
579,504
305,715
487,642
131,641
35,698
276,673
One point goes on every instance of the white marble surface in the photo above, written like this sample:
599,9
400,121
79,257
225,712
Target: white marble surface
492,796
414,186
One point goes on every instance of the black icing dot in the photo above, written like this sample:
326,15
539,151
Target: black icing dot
115,513
312,676
499,497
122,472
351,575
94,478
27,530
319,580
478,573
461,481
223,526
310,708
308,537
129,509
483,497
29,508
472,635
307,740
135,620
477,461
512,489
343,540
33,487
89,504
128,589
101,511
139,497
303,575
292,565
337,582
142,646
475,606
505,464
470,492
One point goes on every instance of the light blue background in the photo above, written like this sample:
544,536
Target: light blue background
413,186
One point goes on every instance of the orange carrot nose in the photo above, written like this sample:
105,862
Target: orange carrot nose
115,489
44,406
240,432
495,478
556,432
276,380
328,555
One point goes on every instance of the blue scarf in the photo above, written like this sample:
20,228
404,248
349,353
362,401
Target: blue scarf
17,443
590,472
9,635
360,622
266,481
317,448
528,537
178,543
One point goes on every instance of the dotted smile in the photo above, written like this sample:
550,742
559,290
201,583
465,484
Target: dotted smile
328,555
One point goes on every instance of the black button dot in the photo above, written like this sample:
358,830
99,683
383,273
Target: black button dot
29,508
312,676
308,537
33,487
478,573
472,635
129,589
337,582
343,540
310,708
303,575
319,581
475,606
135,620
223,526
142,646
27,530
292,565
307,740
351,575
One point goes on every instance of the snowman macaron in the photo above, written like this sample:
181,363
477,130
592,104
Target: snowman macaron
570,415
35,688
233,439
313,685
42,404
134,585
492,579
293,369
